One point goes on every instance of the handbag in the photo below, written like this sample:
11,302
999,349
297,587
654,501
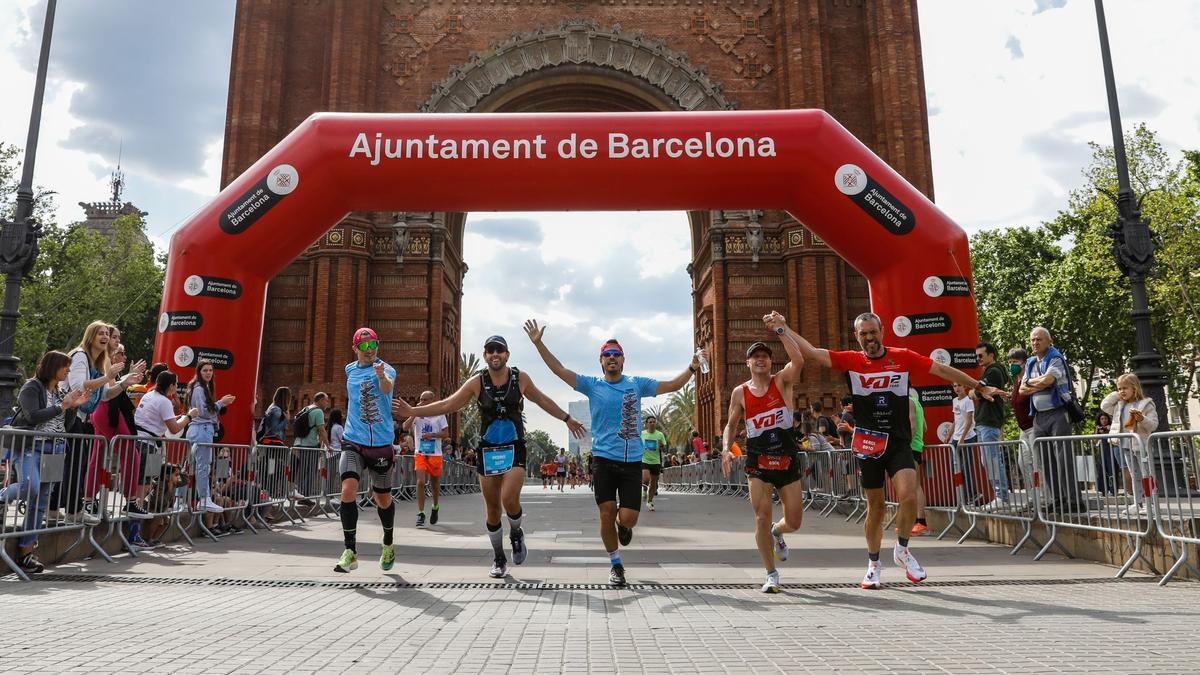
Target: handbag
1075,412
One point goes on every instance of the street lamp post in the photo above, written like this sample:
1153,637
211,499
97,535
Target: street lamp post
1133,248
19,236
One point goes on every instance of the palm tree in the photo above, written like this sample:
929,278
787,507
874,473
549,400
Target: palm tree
680,416
468,417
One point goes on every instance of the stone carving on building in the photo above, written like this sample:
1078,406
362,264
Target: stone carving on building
579,42
741,33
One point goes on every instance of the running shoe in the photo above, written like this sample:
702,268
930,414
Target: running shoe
624,534
912,568
433,515
517,539
348,561
388,557
616,576
920,530
420,520
139,544
295,495
650,504
781,549
207,504
499,568
872,581
772,585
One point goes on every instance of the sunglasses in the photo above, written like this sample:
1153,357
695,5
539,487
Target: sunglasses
494,349
612,352
367,345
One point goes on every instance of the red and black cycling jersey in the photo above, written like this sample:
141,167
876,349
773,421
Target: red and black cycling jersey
880,387
768,421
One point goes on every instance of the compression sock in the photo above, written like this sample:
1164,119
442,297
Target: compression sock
435,507
349,515
514,522
873,557
902,542
496,534
615,557
387,518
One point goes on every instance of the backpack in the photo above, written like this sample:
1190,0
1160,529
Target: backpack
302,424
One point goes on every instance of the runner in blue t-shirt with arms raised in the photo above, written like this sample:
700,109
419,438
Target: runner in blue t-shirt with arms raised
616,409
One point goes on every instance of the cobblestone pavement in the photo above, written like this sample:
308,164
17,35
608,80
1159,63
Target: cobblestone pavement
234,606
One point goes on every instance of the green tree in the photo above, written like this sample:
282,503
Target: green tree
468,417
539,447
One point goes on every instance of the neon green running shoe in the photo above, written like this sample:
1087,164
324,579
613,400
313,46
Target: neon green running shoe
348,561
388,557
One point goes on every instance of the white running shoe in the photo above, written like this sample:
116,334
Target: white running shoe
904,558
772,585
872,581
295,495
207,504
781,549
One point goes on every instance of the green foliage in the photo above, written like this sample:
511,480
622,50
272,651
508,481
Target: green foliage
1063,275
468,417
80,276
539,447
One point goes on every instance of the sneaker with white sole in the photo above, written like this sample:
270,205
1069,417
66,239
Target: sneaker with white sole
134,510
912,569
781,548
873,581
499,568
519,551
348,561
772,585
207,504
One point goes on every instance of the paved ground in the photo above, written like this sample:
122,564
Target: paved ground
271,603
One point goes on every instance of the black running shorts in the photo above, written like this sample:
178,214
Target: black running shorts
757,466
893,460
654,469
619,481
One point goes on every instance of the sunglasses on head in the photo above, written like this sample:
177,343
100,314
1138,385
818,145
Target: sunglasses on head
367,345
612,352
494,349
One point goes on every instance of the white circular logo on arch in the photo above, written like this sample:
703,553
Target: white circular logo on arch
901,326
944,430
184,356
933,287
850,179
193,285
164,322
283,179
941,356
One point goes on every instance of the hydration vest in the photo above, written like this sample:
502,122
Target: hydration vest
501,410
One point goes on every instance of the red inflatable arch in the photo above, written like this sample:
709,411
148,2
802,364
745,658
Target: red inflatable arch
801,161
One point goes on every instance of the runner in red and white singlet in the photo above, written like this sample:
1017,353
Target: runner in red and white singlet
772,456
879,380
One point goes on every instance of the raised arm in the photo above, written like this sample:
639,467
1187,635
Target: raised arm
737,412
535,332
676,383
530,391
778,324
451,404
807,351
385,382
951,374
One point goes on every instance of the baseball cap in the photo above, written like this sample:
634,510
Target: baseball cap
496,340
612,343
362,334
757,346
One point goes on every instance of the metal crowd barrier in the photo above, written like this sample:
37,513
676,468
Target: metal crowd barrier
43,471
221,470
943,486
1073,469
308,468
271,471
1174,464
996,489
154,493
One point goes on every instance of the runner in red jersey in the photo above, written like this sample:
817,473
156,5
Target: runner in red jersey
772,456
879,378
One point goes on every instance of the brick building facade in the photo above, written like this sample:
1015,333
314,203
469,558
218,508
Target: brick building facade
859,60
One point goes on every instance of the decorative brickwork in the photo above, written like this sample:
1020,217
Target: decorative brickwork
403,273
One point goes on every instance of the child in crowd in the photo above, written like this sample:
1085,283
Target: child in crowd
159,500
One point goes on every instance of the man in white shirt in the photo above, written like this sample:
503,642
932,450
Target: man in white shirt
428,434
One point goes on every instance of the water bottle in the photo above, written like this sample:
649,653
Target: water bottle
703,361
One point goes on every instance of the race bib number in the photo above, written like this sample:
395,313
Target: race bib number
428,448
497,460
774,462
868,444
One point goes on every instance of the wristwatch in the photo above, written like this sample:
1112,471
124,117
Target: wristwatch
781,330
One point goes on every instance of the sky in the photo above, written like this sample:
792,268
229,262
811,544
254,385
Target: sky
1015,94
